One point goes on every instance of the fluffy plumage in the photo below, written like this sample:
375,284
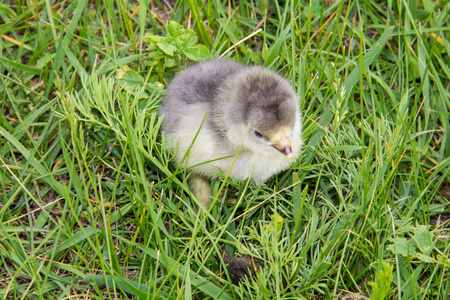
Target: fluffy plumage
249,106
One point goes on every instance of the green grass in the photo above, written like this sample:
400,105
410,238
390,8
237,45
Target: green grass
91,206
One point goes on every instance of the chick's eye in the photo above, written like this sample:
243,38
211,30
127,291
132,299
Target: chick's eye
258,134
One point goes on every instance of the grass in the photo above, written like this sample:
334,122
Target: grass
92,207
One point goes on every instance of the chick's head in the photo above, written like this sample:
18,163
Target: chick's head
261,107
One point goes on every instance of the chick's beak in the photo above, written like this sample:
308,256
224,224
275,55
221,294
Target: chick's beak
284,146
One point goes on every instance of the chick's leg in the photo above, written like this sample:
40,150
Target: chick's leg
201,188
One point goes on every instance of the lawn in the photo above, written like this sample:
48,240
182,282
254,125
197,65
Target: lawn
93,207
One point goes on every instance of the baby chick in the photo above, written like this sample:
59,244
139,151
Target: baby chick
247,110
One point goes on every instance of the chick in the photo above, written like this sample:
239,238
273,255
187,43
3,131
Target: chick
251,123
